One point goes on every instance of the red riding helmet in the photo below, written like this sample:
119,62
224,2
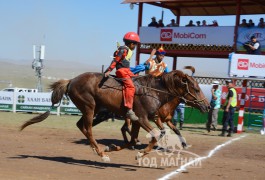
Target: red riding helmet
131,37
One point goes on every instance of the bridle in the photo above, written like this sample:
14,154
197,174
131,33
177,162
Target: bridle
196,101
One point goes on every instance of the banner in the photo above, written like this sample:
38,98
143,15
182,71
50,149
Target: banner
245,65
68,107
257,97
6,101
34,102
188,35
244,35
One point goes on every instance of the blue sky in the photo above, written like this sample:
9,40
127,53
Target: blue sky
75,30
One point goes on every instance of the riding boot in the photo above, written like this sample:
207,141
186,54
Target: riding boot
131,115
180,125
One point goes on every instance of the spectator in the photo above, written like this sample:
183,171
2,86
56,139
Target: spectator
261,23
160,23
253,47
204,23
179,114
153,23
190,24
215,105
215,23
172,24
229,109
250,23
244,23
198,23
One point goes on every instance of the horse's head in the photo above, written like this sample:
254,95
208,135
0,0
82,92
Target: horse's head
187,89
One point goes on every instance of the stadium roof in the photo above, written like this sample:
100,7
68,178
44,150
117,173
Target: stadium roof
207,7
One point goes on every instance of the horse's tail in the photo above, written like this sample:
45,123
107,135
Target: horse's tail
59,88
190,68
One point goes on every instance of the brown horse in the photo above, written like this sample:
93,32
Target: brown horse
91,91
164,115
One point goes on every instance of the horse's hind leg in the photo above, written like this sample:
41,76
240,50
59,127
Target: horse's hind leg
126,128
86,129
80,125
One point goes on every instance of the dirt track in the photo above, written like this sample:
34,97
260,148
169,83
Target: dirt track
47,152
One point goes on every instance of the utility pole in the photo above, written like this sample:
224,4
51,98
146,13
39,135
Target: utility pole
37,64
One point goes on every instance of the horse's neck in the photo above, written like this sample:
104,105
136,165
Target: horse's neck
155,88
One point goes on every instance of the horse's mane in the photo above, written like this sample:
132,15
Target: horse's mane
172,80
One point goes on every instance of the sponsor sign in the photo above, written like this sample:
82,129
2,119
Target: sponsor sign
188,35
68,107
6,100
244,35
257,97
35,102
245,65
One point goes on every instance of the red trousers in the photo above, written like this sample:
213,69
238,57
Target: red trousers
128,86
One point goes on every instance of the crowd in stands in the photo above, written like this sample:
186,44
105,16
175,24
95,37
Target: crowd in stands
173,23
198,23
250,23
214,23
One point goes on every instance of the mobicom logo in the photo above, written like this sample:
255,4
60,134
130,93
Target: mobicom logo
242,64
166,34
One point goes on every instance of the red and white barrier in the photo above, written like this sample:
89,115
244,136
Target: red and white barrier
242,106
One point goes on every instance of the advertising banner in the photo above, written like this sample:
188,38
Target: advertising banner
257,97
188,35
35,102
6,101
67,107
244,35
245,65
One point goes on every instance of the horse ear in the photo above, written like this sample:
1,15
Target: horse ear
185,78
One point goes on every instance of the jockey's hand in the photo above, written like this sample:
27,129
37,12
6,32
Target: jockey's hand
107,74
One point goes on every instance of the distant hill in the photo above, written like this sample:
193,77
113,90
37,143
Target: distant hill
21,74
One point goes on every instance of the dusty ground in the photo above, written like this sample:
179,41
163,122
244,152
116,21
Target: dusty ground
55,149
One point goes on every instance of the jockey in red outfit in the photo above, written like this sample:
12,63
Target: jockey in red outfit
122,63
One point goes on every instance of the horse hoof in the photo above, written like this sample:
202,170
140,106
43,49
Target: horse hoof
139,155
187,147
105,158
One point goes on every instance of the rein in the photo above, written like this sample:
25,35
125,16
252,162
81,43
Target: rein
196,101
165,92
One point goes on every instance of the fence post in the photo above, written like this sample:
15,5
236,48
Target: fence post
14,109
242,106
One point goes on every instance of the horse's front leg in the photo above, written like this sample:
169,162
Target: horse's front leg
182,140
133,133
155,134
160,125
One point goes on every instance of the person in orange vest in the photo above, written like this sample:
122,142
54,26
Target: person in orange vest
155,67
122,63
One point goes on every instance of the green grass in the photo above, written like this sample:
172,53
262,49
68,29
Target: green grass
53,121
